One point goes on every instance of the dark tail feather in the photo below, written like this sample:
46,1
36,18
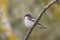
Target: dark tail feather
41,26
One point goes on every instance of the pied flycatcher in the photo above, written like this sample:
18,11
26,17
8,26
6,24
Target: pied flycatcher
29,21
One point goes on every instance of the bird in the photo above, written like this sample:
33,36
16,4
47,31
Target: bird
29,21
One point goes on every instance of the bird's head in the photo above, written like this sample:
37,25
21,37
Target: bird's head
28,15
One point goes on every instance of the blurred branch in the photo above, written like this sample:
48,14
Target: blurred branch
43,11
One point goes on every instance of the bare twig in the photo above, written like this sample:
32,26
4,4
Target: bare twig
45,8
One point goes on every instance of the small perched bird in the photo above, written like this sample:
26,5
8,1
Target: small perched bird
29,21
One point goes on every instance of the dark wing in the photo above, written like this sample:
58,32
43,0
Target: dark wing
37,23
31,19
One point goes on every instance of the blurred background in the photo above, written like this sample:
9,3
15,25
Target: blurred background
12,25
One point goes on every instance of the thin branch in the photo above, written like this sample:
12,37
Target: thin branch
43,11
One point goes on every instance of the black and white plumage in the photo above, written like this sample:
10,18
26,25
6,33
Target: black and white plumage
29,21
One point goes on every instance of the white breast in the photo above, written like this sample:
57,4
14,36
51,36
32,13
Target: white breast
28,23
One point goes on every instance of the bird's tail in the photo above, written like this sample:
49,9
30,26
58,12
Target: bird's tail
41,26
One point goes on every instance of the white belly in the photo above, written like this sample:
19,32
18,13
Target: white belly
28,23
